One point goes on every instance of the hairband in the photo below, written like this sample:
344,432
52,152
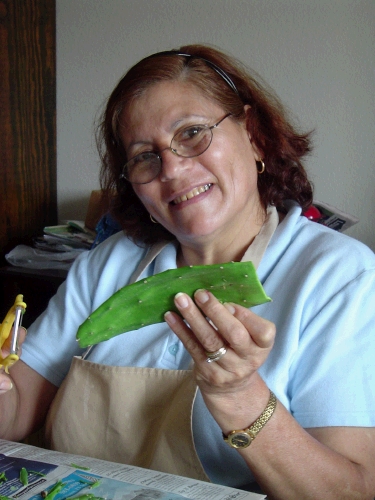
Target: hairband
212,65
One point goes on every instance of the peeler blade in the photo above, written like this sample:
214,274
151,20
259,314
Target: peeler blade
19,311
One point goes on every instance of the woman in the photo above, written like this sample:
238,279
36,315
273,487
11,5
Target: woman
206,169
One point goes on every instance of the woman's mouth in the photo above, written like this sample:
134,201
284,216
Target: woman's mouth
191,194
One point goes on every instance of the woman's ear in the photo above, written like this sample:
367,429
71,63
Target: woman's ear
247,109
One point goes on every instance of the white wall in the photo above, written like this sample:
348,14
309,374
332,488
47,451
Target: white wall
319,56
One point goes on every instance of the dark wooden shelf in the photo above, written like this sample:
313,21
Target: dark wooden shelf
36,285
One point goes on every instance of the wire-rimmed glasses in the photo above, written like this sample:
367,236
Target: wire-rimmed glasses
188,142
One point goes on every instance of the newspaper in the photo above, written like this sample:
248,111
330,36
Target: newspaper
333,217
91,479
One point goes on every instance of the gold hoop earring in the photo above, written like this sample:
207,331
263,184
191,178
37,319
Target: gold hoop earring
153,220
262,166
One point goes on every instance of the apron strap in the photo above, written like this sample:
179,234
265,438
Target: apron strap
260,243
151,254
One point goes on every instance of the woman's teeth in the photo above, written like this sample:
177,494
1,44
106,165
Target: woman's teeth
194,192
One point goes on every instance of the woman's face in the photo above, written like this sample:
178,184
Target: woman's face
200,199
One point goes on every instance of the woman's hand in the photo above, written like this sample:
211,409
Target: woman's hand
5,380
248,339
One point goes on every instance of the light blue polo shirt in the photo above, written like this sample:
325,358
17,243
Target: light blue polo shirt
322,285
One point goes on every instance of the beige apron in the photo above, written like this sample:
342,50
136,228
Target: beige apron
138,416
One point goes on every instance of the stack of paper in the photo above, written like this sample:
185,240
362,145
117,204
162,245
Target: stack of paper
64,237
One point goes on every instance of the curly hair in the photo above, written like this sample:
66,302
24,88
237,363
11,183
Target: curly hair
225,81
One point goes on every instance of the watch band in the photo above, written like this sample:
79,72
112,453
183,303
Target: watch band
243,438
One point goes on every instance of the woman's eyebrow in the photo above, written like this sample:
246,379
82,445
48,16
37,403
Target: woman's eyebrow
138,143
188,117
172,127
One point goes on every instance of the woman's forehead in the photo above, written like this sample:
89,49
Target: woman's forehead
171,99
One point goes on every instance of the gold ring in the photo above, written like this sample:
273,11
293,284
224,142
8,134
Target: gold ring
216,355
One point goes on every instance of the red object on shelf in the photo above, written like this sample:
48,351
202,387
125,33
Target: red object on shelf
313,213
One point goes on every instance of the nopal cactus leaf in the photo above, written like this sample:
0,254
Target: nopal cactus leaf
144,302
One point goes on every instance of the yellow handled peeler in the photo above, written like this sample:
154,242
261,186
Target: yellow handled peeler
11,324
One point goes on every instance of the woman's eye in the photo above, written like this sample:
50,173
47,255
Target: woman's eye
142,157
190,133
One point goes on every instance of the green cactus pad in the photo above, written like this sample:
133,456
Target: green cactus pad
146,301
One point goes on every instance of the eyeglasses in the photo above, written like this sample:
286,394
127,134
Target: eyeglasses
188,142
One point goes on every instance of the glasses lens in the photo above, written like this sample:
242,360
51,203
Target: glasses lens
192,141
142,168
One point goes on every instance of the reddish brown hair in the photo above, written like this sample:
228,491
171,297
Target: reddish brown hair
272,133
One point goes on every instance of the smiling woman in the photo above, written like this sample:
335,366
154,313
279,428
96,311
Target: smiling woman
206,168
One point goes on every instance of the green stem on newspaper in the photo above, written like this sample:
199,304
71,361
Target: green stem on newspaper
36,473
55,490
95,484
24,476
76,466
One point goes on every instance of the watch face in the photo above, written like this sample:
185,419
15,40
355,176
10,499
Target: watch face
239,440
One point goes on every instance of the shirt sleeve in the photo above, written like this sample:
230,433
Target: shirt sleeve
50,343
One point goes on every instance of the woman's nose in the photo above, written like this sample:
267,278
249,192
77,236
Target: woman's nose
171,164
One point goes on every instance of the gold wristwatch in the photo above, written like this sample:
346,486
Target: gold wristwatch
243,438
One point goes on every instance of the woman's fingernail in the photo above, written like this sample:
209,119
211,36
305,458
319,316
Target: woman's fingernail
181,300
169,318
5,385
230,308
201,296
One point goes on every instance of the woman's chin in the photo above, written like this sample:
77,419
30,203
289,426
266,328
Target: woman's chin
197,232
